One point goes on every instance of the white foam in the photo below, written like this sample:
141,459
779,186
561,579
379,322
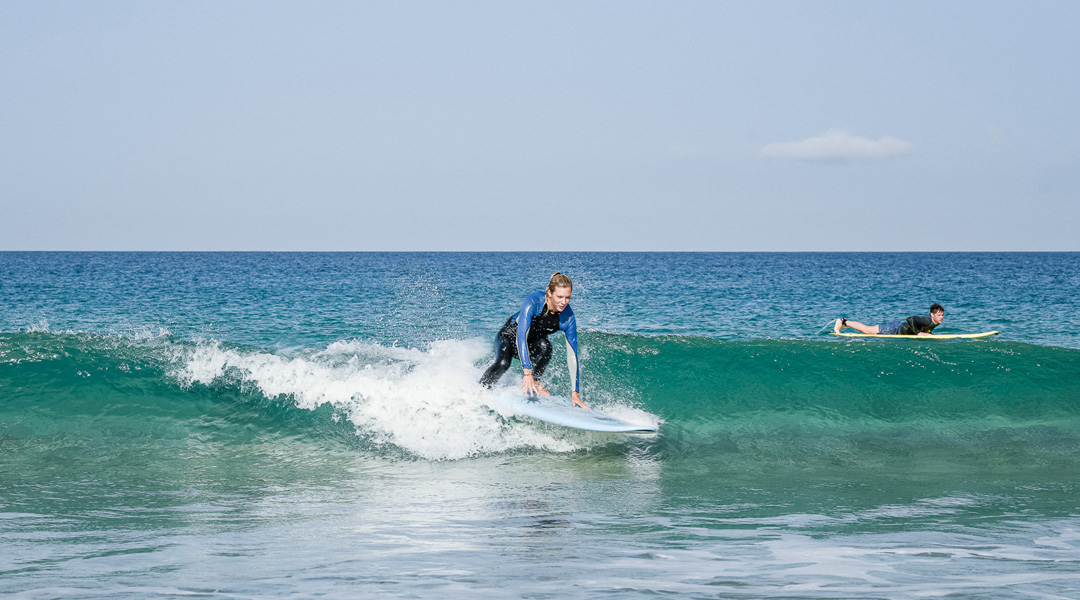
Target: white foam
39,326
428,402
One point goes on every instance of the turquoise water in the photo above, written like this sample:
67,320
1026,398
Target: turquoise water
300,425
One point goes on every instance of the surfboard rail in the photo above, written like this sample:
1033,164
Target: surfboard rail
561,411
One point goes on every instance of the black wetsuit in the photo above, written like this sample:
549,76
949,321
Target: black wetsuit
916,325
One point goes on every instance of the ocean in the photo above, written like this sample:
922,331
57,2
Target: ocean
302,425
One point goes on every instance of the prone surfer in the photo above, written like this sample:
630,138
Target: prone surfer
918,325
524,335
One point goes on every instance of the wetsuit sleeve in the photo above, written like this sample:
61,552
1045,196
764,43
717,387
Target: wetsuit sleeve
525,316
568,323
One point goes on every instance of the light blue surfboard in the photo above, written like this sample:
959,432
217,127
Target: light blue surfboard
561,411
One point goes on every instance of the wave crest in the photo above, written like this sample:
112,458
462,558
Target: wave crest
427,402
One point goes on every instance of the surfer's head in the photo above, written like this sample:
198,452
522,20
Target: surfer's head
559,280
937,313
558,291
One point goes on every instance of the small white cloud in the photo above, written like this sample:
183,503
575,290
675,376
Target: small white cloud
838,144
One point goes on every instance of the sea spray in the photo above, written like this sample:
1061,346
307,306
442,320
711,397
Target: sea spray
426,402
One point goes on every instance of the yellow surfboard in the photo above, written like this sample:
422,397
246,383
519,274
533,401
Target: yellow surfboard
944,336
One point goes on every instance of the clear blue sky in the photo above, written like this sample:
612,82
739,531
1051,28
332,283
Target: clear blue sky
199,125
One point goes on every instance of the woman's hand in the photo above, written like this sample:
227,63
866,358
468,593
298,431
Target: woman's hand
576,398
532,387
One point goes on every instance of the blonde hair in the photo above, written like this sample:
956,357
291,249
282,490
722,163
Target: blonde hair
559,280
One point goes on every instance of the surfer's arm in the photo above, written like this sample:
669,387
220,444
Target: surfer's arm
569,326
530,307
524,321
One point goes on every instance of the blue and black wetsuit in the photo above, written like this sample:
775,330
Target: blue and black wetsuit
525,336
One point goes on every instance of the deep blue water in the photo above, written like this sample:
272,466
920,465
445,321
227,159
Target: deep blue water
297,425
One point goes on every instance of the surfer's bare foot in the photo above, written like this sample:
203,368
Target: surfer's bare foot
840,324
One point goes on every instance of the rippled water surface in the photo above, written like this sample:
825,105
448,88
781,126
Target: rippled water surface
309,425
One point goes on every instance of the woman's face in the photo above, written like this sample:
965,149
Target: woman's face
558,299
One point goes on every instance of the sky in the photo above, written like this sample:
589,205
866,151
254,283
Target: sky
540,126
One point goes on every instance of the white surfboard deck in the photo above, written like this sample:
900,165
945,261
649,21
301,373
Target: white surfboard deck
561,411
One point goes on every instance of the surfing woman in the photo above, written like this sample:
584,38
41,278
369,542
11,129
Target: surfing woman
525,336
